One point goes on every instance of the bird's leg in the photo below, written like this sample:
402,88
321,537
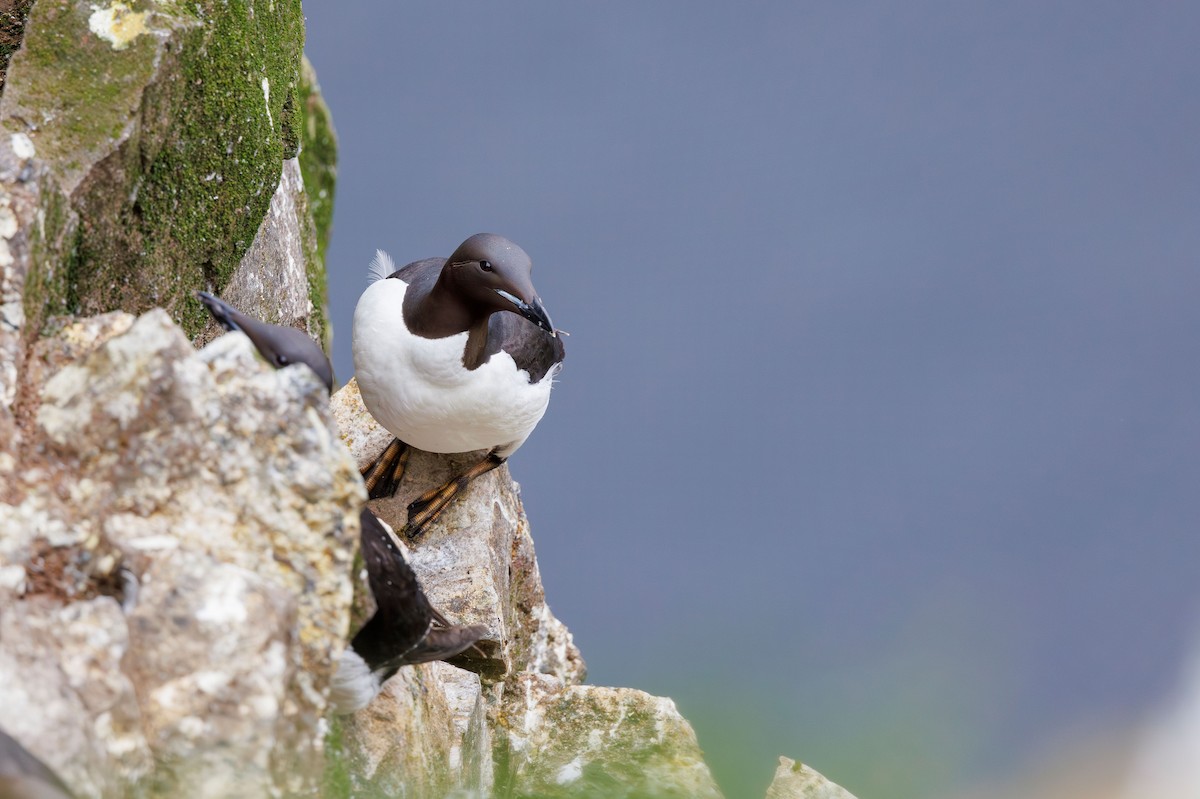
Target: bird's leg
385,472
427,507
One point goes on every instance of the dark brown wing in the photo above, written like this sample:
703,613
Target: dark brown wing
403,615
533,349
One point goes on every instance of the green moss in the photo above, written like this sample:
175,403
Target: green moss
70,86
318,155
318,294
191,141
211,182
53,255
12,31
318,168
289,125
637,749
336,781
314,274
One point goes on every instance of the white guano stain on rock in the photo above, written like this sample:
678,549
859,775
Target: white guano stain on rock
224,602
117,24
266,86
152,542
12,579
12,310
570,772
192,726
8,220
22,146
211,682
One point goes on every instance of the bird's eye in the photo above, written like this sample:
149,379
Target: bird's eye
282,360
485,266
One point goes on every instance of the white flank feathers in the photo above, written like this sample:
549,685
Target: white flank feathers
418,389
354,684
381,266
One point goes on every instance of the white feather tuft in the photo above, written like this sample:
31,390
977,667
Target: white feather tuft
354,684
381,266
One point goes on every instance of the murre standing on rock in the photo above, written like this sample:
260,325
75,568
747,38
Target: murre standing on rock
405,629
453,355
279,345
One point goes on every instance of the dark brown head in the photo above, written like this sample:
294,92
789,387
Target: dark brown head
279,345
491,272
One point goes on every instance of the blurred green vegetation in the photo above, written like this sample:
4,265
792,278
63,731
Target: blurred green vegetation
914,725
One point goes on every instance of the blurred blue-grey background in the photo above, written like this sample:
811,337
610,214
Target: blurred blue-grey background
878,442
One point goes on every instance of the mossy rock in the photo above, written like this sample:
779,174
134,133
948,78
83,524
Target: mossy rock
165,125
318,165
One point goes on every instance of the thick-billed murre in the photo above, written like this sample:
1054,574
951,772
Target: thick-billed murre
453,354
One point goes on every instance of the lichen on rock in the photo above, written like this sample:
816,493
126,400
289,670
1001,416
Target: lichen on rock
797,781
590,741
203,502
165,129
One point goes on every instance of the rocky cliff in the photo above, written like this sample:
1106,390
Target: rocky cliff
178,522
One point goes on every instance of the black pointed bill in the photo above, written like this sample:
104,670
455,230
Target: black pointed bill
535,313
220,310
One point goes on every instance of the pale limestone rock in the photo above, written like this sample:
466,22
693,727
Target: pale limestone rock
550,736
64,696
362,435
219,484
424,736
238,658
797,781
583,740
271,281
471,755
476,562
75,339
140,159
26,194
